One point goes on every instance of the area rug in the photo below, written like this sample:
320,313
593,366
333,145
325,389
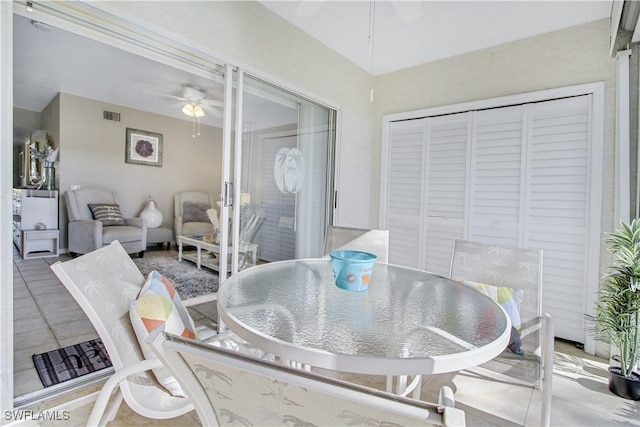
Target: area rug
188,280
71,362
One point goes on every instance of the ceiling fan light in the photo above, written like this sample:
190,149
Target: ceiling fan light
188,109
198,111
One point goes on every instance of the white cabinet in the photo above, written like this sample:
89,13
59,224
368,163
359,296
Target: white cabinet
35,222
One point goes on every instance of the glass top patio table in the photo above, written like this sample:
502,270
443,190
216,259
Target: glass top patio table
408,321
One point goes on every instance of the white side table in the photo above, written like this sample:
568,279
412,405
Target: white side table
39,243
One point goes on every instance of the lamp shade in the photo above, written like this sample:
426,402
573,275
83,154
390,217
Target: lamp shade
188,110
193,110
198,111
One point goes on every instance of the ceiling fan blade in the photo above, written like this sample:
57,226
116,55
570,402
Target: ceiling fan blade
211,103
214,111
166,95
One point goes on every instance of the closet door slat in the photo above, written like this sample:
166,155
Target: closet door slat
447,142
405,189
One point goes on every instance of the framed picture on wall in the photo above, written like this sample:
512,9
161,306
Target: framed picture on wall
143,148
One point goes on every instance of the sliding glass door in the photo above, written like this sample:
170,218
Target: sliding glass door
282,192
278,146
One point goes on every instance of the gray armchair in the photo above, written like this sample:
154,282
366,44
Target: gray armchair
190,213
87,234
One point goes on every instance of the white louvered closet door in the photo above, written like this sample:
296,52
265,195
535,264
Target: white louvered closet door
558,207
512,176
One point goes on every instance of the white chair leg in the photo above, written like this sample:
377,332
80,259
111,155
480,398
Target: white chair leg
414,386
401,386
389,383
418,387
100,407
112,410
547,373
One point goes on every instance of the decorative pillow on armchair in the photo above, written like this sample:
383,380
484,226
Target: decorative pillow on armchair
159,307
509,299
108,213
195,212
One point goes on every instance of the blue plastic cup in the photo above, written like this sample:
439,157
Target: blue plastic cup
352,269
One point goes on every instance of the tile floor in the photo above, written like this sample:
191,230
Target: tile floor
580,394
46,317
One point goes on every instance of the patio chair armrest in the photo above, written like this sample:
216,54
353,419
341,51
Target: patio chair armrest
105,394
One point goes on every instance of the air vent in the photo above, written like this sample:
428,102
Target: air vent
110,115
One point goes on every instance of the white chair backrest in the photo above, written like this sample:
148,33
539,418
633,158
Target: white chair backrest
228,387
496,265
104,283
374,241
517,268
251,228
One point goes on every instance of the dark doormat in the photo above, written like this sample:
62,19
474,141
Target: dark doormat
71,362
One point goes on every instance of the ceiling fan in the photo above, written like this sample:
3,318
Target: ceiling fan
196,96
195,104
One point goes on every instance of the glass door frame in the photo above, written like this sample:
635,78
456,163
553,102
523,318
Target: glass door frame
231,190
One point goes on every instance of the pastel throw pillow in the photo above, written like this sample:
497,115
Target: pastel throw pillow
510,299
195,212
107,213
159,307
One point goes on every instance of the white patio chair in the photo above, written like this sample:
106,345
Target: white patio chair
519,269
104,283
247,235
374,241
230,388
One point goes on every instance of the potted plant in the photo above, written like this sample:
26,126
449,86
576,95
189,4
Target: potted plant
617,318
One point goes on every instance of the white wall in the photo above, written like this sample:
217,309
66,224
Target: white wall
26,119
93,155
562,58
